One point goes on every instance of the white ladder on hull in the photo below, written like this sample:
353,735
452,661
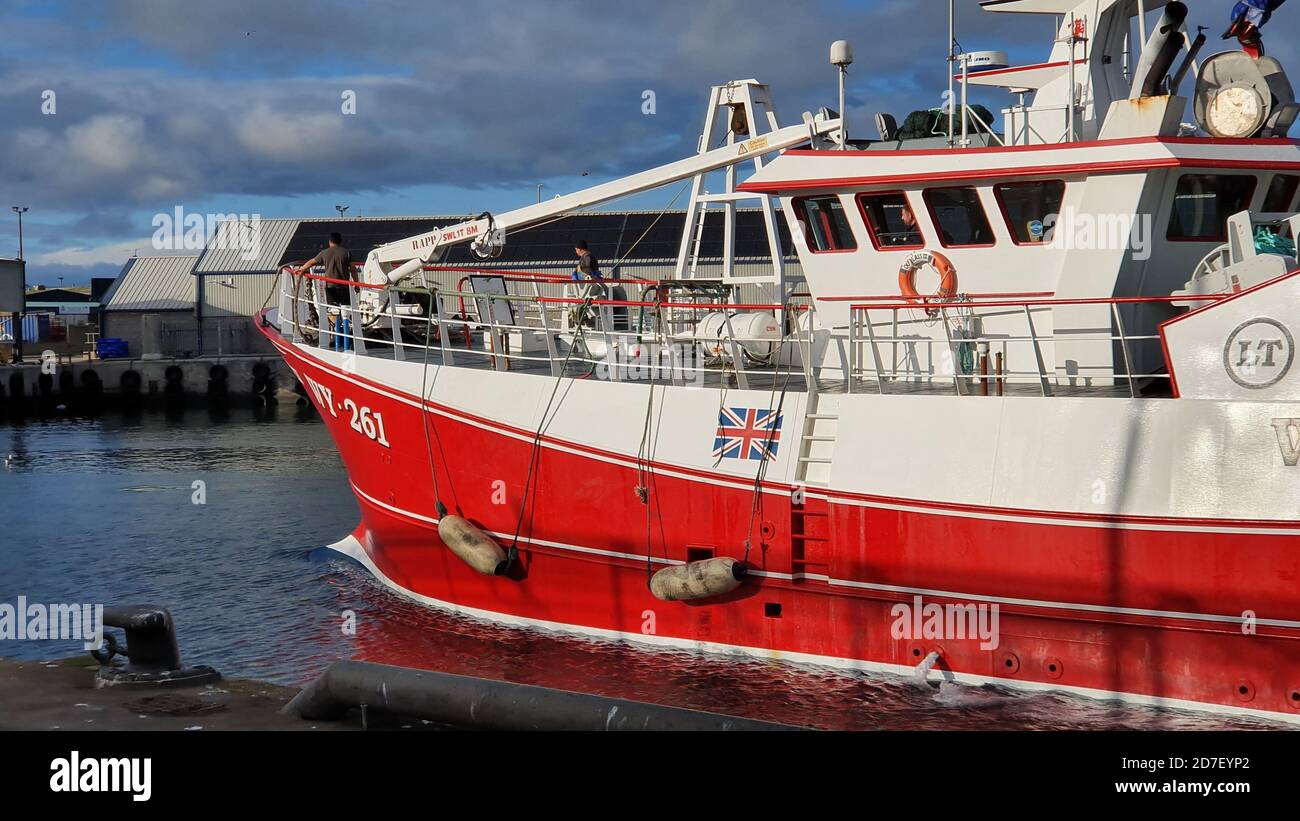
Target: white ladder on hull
817,444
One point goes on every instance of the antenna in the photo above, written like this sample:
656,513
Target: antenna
952,59
842,58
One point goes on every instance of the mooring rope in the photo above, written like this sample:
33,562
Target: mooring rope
644,469
534,453
424,413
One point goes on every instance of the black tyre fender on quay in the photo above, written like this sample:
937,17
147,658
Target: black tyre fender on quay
130,383
218,382
174,378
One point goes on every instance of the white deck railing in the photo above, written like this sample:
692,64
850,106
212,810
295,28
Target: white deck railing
557,326
973,345
981,344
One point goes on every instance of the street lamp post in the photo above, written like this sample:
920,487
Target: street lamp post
342,209
18,317
540,186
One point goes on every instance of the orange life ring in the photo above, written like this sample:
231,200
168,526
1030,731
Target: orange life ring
947,278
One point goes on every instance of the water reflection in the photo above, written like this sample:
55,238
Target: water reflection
394,630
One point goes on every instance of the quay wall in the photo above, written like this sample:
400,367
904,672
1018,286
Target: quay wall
244,377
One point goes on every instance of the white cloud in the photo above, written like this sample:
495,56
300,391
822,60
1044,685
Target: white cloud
277,137
110,143
113,253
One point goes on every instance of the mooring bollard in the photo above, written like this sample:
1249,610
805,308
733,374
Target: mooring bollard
154,657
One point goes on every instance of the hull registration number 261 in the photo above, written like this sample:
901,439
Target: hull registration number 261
363,420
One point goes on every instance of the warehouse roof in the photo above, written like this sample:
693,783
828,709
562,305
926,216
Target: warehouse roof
263,245
153,284
73,294
637,236
360,234
245,246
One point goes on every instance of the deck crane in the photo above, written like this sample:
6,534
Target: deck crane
396,262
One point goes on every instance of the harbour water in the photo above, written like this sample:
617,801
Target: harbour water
223,520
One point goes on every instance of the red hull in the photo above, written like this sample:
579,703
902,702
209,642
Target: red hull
1149,611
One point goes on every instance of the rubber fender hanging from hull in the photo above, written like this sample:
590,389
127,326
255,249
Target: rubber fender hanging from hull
472,546
697,580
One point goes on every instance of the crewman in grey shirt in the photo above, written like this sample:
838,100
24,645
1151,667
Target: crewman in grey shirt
338,266
588,266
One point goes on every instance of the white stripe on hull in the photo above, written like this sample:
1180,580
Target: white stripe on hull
884,588
1067,518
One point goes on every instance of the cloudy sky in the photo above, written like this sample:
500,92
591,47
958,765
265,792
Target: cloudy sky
237,106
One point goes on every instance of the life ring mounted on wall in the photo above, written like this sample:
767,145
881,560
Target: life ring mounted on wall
947,279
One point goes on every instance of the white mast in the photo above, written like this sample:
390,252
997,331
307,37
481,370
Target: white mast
842,58
952,51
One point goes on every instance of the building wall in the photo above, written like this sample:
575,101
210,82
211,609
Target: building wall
238,295
179,330
228,303
179,333
233,336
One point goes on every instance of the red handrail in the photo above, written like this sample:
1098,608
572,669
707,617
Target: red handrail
293,269
530,276
1114,300
692,306
883,306
1007,295
685,305
509,276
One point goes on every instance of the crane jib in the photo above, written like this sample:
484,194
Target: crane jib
441,237
490,231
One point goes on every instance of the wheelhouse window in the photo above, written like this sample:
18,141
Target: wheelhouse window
891,221
959,216
1203,203
1281,193
1031,209
824,224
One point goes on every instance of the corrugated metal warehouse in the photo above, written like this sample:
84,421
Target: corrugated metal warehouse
235,278
153,298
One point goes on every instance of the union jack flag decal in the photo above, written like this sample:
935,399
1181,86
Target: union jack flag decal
747,433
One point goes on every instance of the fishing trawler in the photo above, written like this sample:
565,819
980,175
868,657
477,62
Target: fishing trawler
1044,376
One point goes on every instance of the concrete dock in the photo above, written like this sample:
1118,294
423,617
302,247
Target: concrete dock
61,695
222,378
